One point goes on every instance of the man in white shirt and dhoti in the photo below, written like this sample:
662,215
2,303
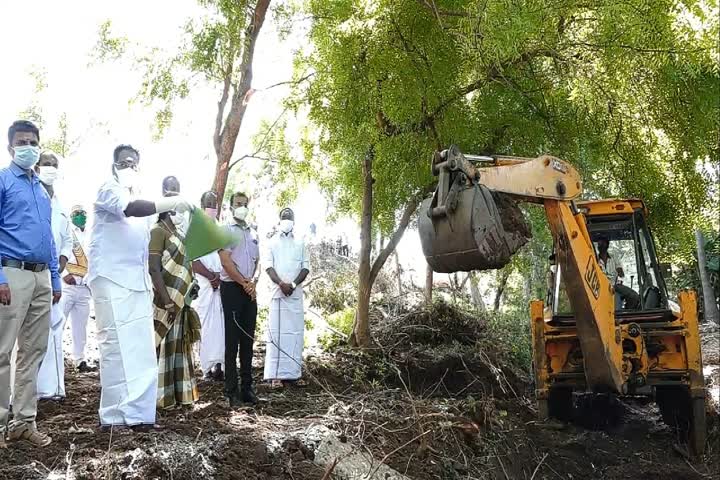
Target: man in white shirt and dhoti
208,305
76,293
122,293
51,376
288,266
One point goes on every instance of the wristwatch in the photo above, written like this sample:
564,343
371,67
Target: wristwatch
294,285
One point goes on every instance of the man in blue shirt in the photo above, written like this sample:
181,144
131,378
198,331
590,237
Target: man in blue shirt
29,282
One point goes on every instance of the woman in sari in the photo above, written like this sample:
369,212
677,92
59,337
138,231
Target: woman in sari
177,325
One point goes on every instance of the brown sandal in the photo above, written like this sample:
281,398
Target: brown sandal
31,435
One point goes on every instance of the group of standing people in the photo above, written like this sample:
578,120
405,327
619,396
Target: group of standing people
151,302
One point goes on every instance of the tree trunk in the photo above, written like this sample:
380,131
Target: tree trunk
428,285
361,328
500,289
475,293
398,269
709,305
226,132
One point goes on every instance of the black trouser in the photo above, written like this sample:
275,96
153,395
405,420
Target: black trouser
240,316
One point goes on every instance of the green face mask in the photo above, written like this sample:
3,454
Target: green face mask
79,220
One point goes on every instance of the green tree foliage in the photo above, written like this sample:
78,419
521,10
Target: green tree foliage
218,49
625,90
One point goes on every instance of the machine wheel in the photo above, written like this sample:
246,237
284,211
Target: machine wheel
560,404
684,414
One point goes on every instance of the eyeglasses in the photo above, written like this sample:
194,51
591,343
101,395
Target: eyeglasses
127,163
23,143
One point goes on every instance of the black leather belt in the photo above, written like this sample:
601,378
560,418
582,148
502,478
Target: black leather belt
33,267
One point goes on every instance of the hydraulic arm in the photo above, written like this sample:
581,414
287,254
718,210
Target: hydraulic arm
545,180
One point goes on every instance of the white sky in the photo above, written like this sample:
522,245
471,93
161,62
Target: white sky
58,37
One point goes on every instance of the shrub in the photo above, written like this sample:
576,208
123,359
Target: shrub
342,322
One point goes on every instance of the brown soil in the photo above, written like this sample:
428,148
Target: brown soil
440,411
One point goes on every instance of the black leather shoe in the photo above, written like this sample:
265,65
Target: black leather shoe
217,373
85,368
247,395
235,400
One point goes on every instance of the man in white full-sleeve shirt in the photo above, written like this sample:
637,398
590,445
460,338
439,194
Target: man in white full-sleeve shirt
76,293
288,265
122,293
51,377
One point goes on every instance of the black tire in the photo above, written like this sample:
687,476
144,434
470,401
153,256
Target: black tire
674,405
560,404
686,415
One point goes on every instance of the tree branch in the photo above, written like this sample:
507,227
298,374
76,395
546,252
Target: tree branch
263,142
221,110
410,209
234,116
494,72
290,82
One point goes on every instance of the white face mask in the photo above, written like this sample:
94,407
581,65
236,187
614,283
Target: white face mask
181,222
47,174
127,177
286,226
241,213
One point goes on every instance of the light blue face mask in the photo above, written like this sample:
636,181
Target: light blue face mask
26,156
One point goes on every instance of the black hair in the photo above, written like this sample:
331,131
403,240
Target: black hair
122,147
22,126
168,180
239,194
207,194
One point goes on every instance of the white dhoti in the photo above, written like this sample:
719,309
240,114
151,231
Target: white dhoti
76,308
285,337
51,377
128,362
212,340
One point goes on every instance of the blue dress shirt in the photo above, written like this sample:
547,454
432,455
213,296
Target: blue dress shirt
25,222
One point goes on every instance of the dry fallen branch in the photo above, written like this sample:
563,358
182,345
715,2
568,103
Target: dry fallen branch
538,467
329,469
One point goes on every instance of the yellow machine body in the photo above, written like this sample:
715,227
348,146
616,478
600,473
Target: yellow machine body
599,342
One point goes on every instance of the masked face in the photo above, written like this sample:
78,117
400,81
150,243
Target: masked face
240,213
127,177
79,219
177,219
211,212
47,174
286,225
26,156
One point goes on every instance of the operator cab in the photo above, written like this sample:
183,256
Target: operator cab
625,250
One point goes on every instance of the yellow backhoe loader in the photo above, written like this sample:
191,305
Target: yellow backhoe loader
603,328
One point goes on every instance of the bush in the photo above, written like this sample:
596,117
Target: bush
342,322
508,334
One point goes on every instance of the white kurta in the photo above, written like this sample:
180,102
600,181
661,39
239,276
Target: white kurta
209,307
120,284
51,377
76,303
285,334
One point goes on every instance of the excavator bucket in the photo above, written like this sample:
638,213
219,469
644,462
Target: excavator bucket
473,229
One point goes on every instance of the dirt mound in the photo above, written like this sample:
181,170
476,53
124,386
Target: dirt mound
440,324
